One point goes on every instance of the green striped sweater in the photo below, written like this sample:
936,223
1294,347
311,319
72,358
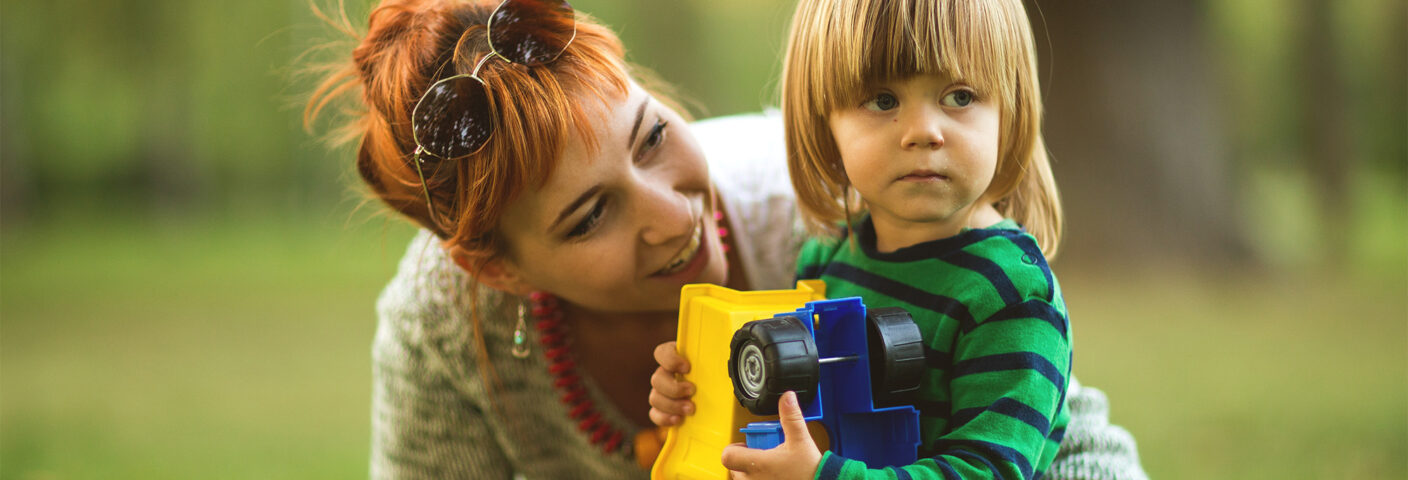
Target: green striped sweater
997,344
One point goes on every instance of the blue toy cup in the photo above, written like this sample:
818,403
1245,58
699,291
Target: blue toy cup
763,435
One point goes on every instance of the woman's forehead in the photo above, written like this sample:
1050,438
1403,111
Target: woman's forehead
616,120
586,164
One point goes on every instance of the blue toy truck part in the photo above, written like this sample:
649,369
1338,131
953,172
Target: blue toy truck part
880,436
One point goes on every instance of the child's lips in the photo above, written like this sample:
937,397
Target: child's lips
924,176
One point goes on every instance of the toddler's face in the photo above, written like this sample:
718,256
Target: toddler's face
921,151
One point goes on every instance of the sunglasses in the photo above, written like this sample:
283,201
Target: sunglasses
454,117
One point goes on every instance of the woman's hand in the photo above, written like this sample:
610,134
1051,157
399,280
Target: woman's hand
796,458
669,396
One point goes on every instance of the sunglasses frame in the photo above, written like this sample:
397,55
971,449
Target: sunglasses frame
474,75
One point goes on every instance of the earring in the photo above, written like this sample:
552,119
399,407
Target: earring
718,217
520,334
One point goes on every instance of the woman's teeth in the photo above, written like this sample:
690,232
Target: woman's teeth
685,254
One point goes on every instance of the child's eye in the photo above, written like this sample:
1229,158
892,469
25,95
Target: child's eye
958,98
882,103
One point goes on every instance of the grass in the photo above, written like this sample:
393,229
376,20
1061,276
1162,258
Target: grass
189,351
1250,376
239,349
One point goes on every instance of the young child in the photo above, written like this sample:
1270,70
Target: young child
915,124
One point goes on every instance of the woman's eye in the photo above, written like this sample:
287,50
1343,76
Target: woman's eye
656,137
589,222
959,98
882,103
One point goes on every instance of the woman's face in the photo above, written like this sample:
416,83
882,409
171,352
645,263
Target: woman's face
621,227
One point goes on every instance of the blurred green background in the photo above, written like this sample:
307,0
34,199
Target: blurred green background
187,277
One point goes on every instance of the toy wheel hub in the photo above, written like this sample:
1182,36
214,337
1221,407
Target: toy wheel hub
752,372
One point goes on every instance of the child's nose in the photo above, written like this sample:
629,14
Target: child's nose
923,130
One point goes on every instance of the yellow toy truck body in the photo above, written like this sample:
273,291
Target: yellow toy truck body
709,316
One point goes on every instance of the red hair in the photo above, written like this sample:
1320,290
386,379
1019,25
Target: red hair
409,45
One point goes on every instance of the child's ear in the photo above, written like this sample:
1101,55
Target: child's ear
497,273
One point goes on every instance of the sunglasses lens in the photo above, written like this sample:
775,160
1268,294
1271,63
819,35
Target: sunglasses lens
452,119
532,32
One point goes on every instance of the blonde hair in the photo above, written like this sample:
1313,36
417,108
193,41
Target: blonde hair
836,48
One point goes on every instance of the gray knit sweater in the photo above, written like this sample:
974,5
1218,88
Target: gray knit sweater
434,418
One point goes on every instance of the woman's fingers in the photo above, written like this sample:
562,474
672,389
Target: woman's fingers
670,359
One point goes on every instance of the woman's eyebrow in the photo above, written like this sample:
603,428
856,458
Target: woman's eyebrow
572,207
640,114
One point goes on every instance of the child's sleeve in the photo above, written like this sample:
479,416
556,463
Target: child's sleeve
1008,384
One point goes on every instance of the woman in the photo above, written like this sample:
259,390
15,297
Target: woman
563,207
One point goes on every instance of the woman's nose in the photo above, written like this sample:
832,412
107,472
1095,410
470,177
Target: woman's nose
668,215
923,129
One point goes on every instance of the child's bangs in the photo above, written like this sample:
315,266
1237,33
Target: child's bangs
875,41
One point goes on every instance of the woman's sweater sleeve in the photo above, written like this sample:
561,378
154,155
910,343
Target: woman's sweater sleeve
1093,448
422,426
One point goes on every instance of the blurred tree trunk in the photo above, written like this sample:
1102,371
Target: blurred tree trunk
15,179
1324,129
1135,126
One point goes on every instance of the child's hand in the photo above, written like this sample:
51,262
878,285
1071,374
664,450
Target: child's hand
669,396
796,458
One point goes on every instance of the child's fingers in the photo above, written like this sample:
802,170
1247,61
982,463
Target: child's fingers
670,359
794,424
739,458
671,406
664,419
667,384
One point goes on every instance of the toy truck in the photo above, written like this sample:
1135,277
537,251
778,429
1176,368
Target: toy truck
854,372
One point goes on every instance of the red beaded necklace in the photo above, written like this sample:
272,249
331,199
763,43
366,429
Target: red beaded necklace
552,332
553,335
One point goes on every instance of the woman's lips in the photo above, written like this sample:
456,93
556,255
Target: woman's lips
684,257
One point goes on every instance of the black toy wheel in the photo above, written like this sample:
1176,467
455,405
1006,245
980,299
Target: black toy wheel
769,357
896,356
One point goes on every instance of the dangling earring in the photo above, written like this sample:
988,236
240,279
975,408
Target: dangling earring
520,334
718,217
